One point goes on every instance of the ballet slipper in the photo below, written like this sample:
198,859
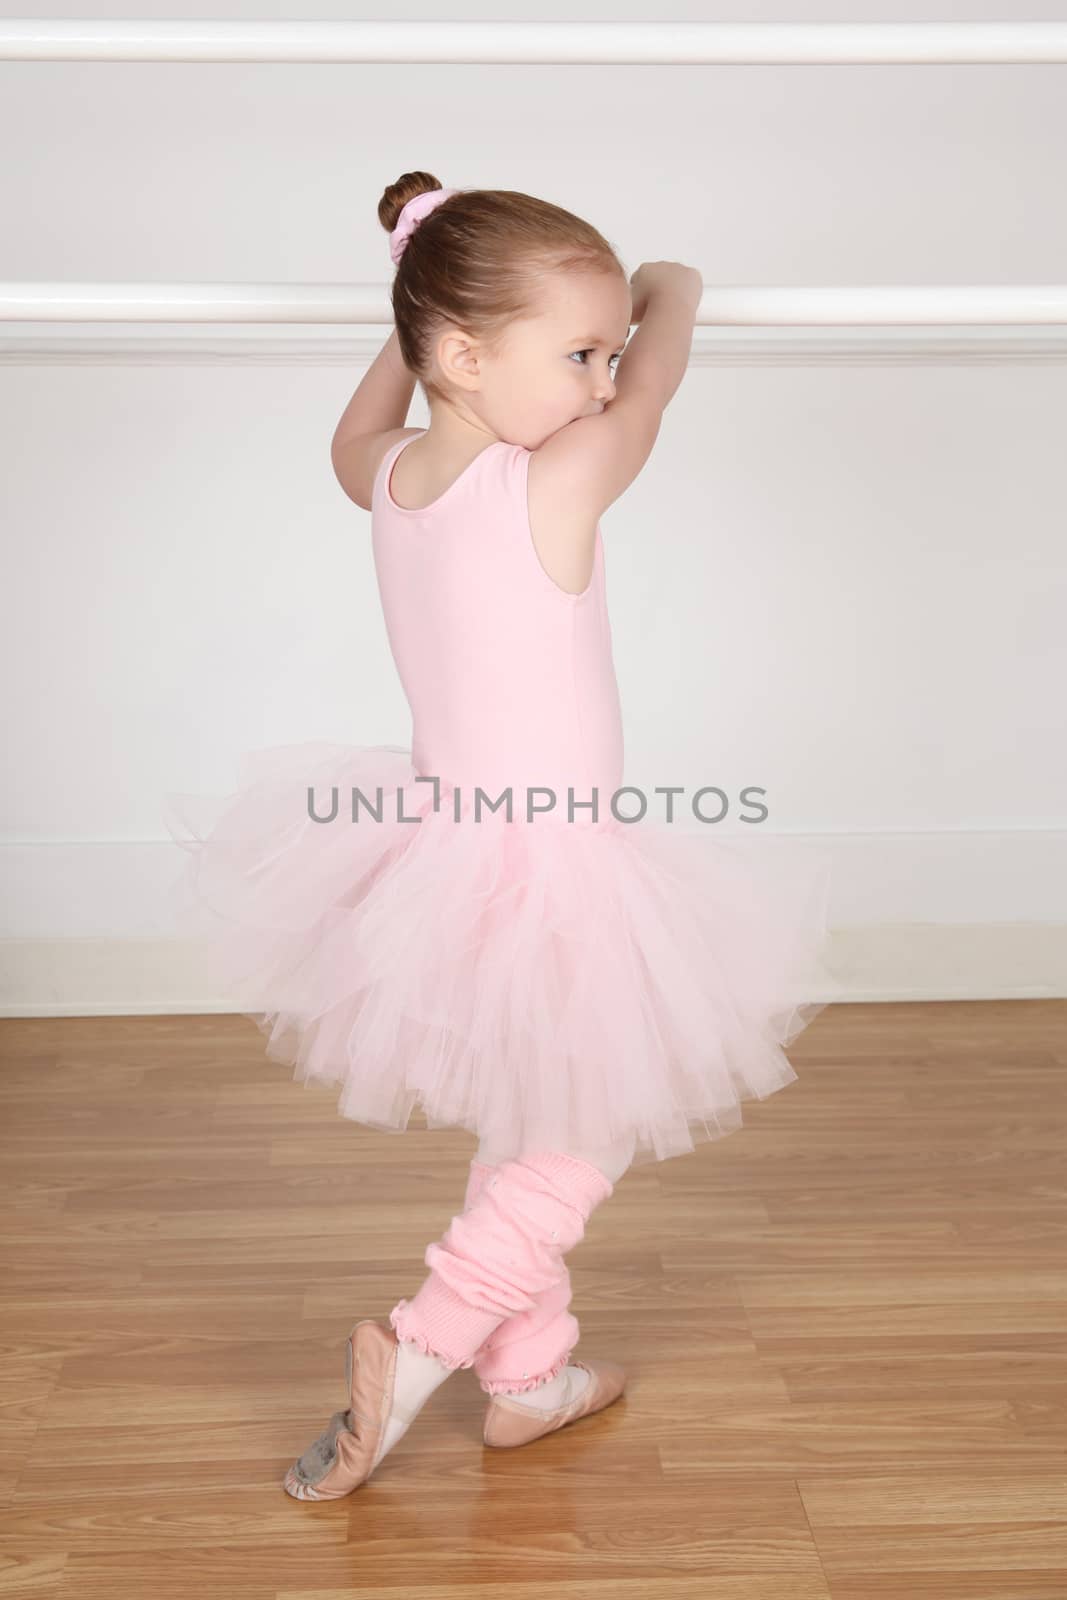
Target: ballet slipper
347,1451
509,1423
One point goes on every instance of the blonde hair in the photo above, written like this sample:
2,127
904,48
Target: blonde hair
475,261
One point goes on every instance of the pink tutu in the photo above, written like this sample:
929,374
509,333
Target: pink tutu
546,985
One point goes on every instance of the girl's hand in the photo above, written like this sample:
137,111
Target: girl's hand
655,276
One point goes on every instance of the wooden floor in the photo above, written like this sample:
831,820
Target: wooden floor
845,1329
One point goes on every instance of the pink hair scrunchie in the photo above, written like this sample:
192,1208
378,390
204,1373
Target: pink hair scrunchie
411,215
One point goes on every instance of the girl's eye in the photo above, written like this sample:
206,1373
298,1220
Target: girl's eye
611,359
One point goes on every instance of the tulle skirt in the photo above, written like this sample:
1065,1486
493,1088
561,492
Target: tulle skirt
546,985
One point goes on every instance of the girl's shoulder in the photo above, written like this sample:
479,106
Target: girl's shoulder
593,460
576,475
356,460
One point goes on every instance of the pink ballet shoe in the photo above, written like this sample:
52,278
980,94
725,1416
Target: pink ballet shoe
346,1453
509,1423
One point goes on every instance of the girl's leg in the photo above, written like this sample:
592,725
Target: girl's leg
526,1355
497,1256
511,1360
491,1264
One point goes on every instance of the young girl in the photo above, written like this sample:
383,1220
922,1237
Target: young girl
580,990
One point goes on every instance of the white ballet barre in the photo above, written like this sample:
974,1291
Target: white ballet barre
637,44
875,305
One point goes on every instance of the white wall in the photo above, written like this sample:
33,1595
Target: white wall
842,575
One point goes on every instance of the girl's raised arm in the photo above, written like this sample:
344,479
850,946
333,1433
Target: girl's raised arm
594,459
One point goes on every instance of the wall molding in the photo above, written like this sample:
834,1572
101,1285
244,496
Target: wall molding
773,347
526,43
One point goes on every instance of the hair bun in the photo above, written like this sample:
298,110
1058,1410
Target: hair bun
397,195
410,217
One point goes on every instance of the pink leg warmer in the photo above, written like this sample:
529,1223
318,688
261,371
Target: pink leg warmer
501,1262
512,1357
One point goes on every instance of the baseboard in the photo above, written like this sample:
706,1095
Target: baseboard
917,961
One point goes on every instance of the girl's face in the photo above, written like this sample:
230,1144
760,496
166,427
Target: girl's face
553,367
